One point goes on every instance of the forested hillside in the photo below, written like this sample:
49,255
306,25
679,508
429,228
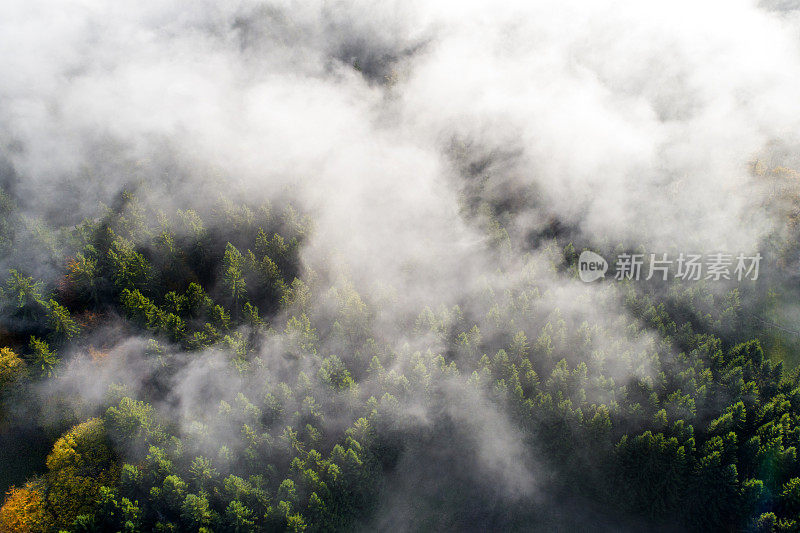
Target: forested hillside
302,413
407,266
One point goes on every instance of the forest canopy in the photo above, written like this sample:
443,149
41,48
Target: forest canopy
321,266
684,419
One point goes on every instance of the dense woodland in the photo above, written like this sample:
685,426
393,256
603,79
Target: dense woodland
688,421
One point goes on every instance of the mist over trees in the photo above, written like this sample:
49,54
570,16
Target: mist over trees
278,266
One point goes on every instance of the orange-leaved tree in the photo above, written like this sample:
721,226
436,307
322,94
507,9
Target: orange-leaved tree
24,510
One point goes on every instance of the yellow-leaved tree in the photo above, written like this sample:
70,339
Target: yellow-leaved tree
81,462
12,370
11,367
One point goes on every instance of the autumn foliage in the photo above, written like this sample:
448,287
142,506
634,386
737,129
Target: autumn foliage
24,510
81,462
